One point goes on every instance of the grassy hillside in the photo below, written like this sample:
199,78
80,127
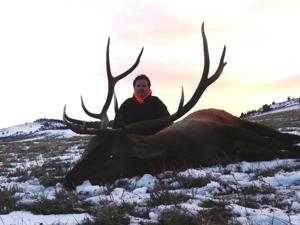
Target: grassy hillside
287,120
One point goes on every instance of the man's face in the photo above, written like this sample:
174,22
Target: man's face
141,88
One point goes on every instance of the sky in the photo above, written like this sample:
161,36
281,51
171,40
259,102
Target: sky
52,52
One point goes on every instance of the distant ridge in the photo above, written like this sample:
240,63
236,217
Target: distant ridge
289,104
284,116
40,128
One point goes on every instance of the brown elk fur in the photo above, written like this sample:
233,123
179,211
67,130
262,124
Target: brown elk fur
205,137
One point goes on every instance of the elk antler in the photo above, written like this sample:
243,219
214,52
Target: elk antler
183,109
91,127
102,116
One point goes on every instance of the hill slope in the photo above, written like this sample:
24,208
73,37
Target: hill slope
284,116
40,128
288,105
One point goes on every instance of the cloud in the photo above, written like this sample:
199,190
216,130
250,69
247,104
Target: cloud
289,83
168,29
136,20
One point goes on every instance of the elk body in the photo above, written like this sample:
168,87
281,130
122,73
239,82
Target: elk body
205,137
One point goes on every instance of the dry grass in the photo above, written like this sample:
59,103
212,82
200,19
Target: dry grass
112,214
282,120
8,200
40,159
48,160
216,214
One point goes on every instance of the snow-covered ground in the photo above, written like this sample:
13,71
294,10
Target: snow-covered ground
252,193
288,105
22,129
27,218
287,185
36,130
293,104
283,109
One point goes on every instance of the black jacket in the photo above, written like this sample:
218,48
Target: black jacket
131,111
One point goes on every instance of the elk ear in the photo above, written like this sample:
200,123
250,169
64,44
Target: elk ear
142,149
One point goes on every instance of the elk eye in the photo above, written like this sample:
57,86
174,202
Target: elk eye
110,156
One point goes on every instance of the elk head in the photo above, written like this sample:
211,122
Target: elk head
116,153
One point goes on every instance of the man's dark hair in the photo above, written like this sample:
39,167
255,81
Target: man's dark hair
140,77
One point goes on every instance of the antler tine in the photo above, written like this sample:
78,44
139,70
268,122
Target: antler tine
111,85
220,68
122,75
116,103
94,115
181,100
66,118
80,126
203,84
206,55
113,80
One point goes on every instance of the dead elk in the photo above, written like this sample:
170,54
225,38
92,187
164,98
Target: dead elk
205,137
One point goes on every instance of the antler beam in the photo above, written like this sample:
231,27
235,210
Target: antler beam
203,84
91,128
102,116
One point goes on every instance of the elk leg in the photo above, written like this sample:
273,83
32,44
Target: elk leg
270,132
269,143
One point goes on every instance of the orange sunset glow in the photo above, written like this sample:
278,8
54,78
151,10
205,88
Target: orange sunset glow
51,52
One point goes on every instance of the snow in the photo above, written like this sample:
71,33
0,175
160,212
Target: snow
20,129
284,179
27,218
262,216
94,194
146,181
276,110
54,133
224,182
287,105
33,131
293,104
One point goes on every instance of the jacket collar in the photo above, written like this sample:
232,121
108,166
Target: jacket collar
142,99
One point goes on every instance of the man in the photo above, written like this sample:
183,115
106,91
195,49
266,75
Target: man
142,106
